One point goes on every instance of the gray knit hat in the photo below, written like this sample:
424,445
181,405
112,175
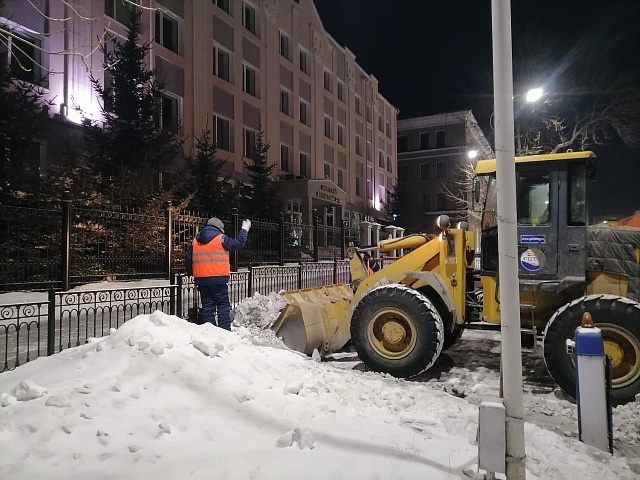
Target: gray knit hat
216,222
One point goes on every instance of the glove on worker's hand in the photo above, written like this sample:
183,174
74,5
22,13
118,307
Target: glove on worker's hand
246,225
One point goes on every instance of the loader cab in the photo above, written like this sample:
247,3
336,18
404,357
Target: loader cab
551,197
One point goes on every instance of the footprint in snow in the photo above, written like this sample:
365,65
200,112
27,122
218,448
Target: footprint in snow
27,390
58,402
293,388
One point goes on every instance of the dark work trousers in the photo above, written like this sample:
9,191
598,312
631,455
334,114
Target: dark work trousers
215,298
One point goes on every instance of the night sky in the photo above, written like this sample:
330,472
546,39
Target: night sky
435,57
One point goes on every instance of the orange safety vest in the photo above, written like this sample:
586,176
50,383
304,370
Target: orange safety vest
210,259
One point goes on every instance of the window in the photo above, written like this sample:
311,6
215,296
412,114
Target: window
402,143
249,80
425,201
340,90
424,141
304,165
221,63
380,123
533,199
284,157
327,127
224,5
369,151
425,171
249,18
440,140
382,190
328,171
577,194
387,129
341,178
380,158
403,173
389,164
441,170
249,142
358,186
22,54
304,112
369,182
442,201
170,113
327,81
341,134
285,46
167,30
358,105
285,101
304,61
223,133
119,10
358,145
369,113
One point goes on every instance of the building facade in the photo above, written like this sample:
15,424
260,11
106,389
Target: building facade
236,67
434,152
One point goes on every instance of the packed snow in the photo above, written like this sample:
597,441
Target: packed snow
164,398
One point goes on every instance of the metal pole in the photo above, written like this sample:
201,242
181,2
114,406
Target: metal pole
234,255
66,240
343,239
316,235
168,239
507,238
281,239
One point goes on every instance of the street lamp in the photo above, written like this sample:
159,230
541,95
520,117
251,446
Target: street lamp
534,94
472,154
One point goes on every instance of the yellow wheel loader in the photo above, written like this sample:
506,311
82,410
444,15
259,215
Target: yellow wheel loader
400,318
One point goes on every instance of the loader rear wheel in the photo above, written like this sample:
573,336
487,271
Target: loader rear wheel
619,320
397,330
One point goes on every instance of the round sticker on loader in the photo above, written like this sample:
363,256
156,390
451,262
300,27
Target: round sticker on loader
529,261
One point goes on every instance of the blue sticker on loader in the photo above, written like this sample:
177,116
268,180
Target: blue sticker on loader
533,239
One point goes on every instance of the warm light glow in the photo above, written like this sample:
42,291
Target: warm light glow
534,95
472,154
376,204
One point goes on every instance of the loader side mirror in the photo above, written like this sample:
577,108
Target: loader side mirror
476,190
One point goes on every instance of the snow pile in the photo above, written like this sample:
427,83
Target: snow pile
626,422
163,398
259,310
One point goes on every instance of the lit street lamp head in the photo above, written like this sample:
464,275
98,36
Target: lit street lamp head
534,95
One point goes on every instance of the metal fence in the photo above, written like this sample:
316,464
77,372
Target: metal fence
68,319
66,245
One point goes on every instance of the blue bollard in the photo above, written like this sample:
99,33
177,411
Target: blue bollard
591,386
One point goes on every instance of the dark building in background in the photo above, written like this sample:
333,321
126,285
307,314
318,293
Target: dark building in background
433,154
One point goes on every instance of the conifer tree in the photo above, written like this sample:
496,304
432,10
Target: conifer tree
264,202
129,147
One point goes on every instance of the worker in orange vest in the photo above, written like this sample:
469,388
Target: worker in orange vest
207,259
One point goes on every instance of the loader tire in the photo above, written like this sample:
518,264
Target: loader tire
397,330
451,338
619,320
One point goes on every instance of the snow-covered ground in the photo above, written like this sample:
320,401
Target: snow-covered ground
163,398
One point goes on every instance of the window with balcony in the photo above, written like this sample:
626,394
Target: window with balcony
249,18
167,30
221,63
249,80
222,133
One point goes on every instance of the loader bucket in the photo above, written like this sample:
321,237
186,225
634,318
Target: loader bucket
315,318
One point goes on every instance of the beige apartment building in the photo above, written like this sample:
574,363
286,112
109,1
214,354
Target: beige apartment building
236,67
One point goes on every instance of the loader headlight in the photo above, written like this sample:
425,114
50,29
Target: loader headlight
463,225
443,222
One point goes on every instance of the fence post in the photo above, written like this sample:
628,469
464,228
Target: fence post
168,238
172,296
300,275
51,323
66,240
179,310
250,281
316,253
234,255
281,253
335,270
343,238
